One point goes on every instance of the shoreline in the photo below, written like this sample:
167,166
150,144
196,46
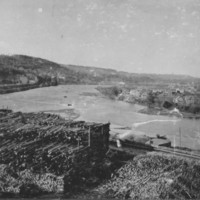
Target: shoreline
120,94
165,112
73,114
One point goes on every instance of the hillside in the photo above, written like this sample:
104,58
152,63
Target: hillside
111,75
20,72
20,69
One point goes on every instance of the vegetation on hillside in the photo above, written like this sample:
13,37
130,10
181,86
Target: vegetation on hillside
163,100
111,92
19,70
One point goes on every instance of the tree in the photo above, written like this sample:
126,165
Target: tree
150,99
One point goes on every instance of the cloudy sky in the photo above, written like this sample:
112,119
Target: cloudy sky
142,36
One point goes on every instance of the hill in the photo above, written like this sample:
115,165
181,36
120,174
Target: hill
20,69
21,72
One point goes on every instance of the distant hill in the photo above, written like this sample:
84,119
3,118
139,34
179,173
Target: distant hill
14,69
21,72
112,75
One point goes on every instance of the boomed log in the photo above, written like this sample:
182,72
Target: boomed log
48,142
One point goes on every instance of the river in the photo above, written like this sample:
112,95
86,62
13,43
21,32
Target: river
91,106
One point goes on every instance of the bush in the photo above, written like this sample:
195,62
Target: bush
111,92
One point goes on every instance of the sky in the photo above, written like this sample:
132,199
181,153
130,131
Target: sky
139,36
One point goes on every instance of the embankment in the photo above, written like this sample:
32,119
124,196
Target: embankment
9,88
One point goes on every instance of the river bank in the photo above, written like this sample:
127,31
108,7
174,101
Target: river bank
157,102
166,112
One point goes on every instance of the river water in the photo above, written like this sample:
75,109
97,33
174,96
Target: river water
91,106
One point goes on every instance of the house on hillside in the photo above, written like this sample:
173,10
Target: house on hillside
155,91
121,83
179,91
32,79
23,79
135,93
191,90
143,96
61,77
